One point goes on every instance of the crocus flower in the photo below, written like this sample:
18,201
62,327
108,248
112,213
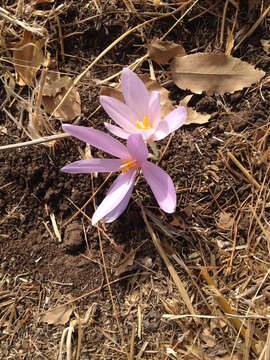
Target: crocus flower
129,159
141,111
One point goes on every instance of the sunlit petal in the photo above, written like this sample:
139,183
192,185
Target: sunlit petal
97,139
135,93
154,109
137,148
121,113
117,131
173,121
92,165
116,195
161,185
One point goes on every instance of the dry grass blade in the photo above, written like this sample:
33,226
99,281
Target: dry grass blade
182,291
227,308
40,31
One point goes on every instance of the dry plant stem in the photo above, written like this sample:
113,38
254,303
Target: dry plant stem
180,19
35,142
61,39
253,28
265,232
227,308
264,157
36,30
171,269
223,23
111,46
244,171
115,312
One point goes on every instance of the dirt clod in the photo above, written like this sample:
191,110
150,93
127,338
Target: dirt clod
73,238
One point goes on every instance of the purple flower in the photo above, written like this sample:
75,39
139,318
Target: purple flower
129,159
141,111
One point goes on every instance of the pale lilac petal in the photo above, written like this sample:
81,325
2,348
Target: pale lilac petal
120,113
135,93
120,208
97,139
173,121
116,195
161,185
117,131
92,165
154,109
146,134
137,148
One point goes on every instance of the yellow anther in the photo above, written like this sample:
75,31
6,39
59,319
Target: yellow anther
143,125
146,123
127,165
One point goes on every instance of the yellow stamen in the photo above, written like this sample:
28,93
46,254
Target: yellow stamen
127,165
143,125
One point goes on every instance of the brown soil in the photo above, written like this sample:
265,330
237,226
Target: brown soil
43,272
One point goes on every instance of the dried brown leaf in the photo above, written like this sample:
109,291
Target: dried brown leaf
193,116
127,261
225,221
266,45
28,58
55,89
213,73
162,52
58,316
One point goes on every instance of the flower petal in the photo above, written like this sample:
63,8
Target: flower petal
154,109
161,185
120,113
117,131
97,139
170,123
137,148
135,93
120,208
116,195
92,165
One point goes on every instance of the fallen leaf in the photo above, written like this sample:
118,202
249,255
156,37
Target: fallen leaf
27,58
266,45
225,221
193,116
58,316
54,90
127,261
115,93
208,338
213,73
162,52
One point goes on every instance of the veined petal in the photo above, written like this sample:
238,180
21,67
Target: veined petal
120,113
137,148
116,195
154,109
117,131
97,139
161,185
120,208
173,121
92,165
135,93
